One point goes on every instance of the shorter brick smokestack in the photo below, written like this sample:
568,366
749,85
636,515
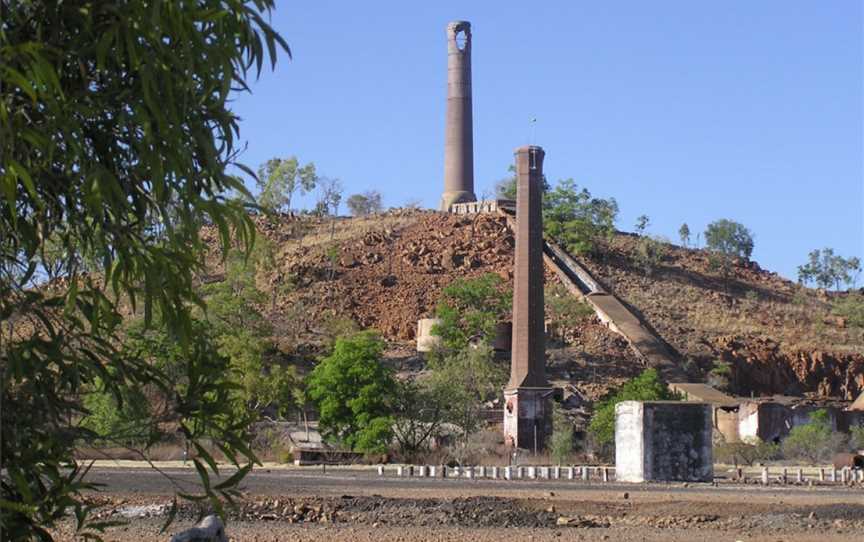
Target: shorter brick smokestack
527,412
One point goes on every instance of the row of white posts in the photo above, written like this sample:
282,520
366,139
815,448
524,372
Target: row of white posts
585,473
843,476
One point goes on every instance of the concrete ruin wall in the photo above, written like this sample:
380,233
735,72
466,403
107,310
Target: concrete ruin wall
663,441
772,422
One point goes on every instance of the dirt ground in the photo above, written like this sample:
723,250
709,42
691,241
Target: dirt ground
305,505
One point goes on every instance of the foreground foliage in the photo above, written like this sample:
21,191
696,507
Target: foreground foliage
115,138
470,309
815,441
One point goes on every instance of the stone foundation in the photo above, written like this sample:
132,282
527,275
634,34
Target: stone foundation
663,441
528,417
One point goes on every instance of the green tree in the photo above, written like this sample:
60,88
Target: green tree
814,441
367,203
642,223
684,234
116,138
419,412
462,381
747,452
727,240
645,387
506,187
354,393
471,308
576,220
827,269
279,179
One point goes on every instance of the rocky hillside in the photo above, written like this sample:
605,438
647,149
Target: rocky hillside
387,271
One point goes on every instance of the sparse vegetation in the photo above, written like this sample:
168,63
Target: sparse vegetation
684,235
364,204
826,269
746,452
815,441
851,308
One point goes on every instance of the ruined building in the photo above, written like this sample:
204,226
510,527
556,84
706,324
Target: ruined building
459,138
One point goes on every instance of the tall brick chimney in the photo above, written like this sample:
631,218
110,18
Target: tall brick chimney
459,138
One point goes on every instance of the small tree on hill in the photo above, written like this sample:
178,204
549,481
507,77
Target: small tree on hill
642,224
471,308
684,234
645,387
278,180
367,203
827,269
354,393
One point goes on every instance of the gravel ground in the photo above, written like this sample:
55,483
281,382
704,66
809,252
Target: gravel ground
304,504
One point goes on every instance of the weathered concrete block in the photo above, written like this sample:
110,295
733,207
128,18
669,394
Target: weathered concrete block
663,441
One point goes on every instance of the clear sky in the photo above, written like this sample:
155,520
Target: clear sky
685,111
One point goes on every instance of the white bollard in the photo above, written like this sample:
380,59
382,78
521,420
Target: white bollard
585,474
764,476
605,474
432,471
456,471
508,473
520,472
784,478
399,470
532,473
544,473
556,473
821,474
493,473
569,473
469,473
482,472
833,472
380,470
843,475
799,476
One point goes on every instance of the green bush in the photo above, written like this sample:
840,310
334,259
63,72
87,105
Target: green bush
354,394
814,441
645,387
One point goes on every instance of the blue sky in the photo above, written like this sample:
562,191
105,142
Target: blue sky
684,111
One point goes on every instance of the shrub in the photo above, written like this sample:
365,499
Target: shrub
650,252
850,307
561,443
471,308
354,394
645,387
747,452
814,441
